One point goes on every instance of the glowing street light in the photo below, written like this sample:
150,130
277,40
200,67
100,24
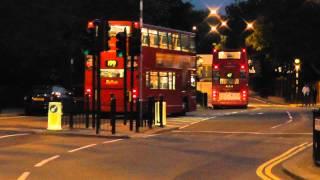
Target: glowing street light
194,28
250,26
214,11
224,23
214,29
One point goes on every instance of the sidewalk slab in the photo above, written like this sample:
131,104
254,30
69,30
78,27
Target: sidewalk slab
301,166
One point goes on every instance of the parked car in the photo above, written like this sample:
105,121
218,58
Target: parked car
40,96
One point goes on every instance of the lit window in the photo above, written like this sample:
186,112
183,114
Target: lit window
163,40
176,42
192,44
185,43
154,80
145,37
164,80
154,38
161,80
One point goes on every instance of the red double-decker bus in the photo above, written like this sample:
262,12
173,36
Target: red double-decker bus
169,68
229,78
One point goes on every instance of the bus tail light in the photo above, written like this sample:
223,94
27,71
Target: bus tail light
244,95
215,95
134,94
242,67
88,92
215,67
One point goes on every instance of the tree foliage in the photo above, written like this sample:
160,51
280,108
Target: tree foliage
39,37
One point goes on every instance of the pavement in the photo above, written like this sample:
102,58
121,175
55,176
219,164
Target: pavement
39,124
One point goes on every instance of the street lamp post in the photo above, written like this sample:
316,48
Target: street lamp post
140,70
297,67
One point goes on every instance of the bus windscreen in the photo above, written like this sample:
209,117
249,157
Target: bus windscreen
229,55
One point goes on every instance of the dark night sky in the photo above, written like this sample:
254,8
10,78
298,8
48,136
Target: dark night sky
200,4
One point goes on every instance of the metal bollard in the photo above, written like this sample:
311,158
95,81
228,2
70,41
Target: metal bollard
87,104
113,114
161,110
150,111
70,120
138,115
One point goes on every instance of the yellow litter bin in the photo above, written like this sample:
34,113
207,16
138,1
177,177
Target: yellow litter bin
54,116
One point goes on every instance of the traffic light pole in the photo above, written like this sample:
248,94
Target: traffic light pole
141,66
131,90
125,95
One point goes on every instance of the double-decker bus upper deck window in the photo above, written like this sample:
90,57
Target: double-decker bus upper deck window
185,43
163,40
145,37
154,38
170,40
176,42
192,44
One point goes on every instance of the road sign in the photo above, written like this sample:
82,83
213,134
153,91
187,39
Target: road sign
54,116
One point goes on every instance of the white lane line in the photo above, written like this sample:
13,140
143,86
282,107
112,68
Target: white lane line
193,120
259,100
12,117
238,132
80,148
43,162
24,176
112,141
13,135
287,122
260,113
151,135
196,122
176,123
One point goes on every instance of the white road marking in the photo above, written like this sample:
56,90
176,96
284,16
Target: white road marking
43,162
24,176
13,135
151,135
12,117
260,113
83,147
196,122
287,122
112,141
239,132
260,100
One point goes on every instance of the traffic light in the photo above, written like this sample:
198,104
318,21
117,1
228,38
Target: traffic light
104,38
135,41
121,48
89,38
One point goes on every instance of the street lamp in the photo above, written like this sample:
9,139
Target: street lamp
250,26
214,12
194,28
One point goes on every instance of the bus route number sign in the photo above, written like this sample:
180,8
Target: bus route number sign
111,63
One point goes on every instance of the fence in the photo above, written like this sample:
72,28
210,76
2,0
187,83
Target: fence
77,115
